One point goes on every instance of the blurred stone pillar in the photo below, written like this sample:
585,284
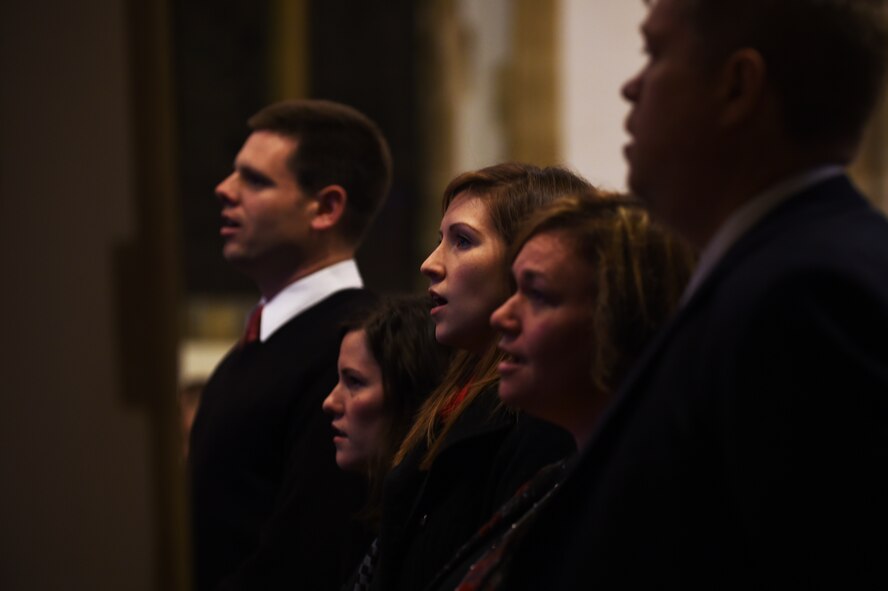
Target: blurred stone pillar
532,87
288,48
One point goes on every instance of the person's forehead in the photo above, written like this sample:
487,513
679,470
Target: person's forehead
269,142
469,208
545,253
671,23
664,15
267,152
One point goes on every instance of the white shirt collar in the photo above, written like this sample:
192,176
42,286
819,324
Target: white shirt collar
306,292
747,216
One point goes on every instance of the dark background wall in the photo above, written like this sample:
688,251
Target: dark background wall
85,500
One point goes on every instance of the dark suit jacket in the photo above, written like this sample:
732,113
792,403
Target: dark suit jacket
427,516
749,449
271,508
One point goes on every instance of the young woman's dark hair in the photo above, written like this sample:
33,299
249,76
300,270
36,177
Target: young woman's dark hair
400,336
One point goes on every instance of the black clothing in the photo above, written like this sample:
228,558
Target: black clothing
749,447
271,508
427,516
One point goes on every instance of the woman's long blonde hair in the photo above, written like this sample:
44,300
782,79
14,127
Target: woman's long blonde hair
511,192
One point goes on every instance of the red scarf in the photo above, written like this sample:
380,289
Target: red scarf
453,403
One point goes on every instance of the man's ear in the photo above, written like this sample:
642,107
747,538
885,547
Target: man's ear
330,205
742,86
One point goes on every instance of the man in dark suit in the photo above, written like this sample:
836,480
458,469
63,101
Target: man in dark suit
749,448
271,509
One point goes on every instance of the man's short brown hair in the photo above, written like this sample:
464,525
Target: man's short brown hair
826,59
336,145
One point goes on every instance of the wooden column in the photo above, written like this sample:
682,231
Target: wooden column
531,96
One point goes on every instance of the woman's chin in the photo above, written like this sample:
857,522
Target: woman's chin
348,463
512,393
468,338
442,337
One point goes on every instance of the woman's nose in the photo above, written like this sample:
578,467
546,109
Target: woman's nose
331,404
432,267
503,318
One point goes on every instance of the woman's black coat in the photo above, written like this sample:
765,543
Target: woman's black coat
428,515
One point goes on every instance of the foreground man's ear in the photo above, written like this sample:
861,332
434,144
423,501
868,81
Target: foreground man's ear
742,86
330,203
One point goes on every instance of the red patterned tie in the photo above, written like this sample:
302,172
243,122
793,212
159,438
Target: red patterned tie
251,334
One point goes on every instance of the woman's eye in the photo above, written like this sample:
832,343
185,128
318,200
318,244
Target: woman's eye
462,242
536,296
352,381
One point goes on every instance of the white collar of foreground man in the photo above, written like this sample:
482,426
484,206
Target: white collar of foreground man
747,216
305,293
